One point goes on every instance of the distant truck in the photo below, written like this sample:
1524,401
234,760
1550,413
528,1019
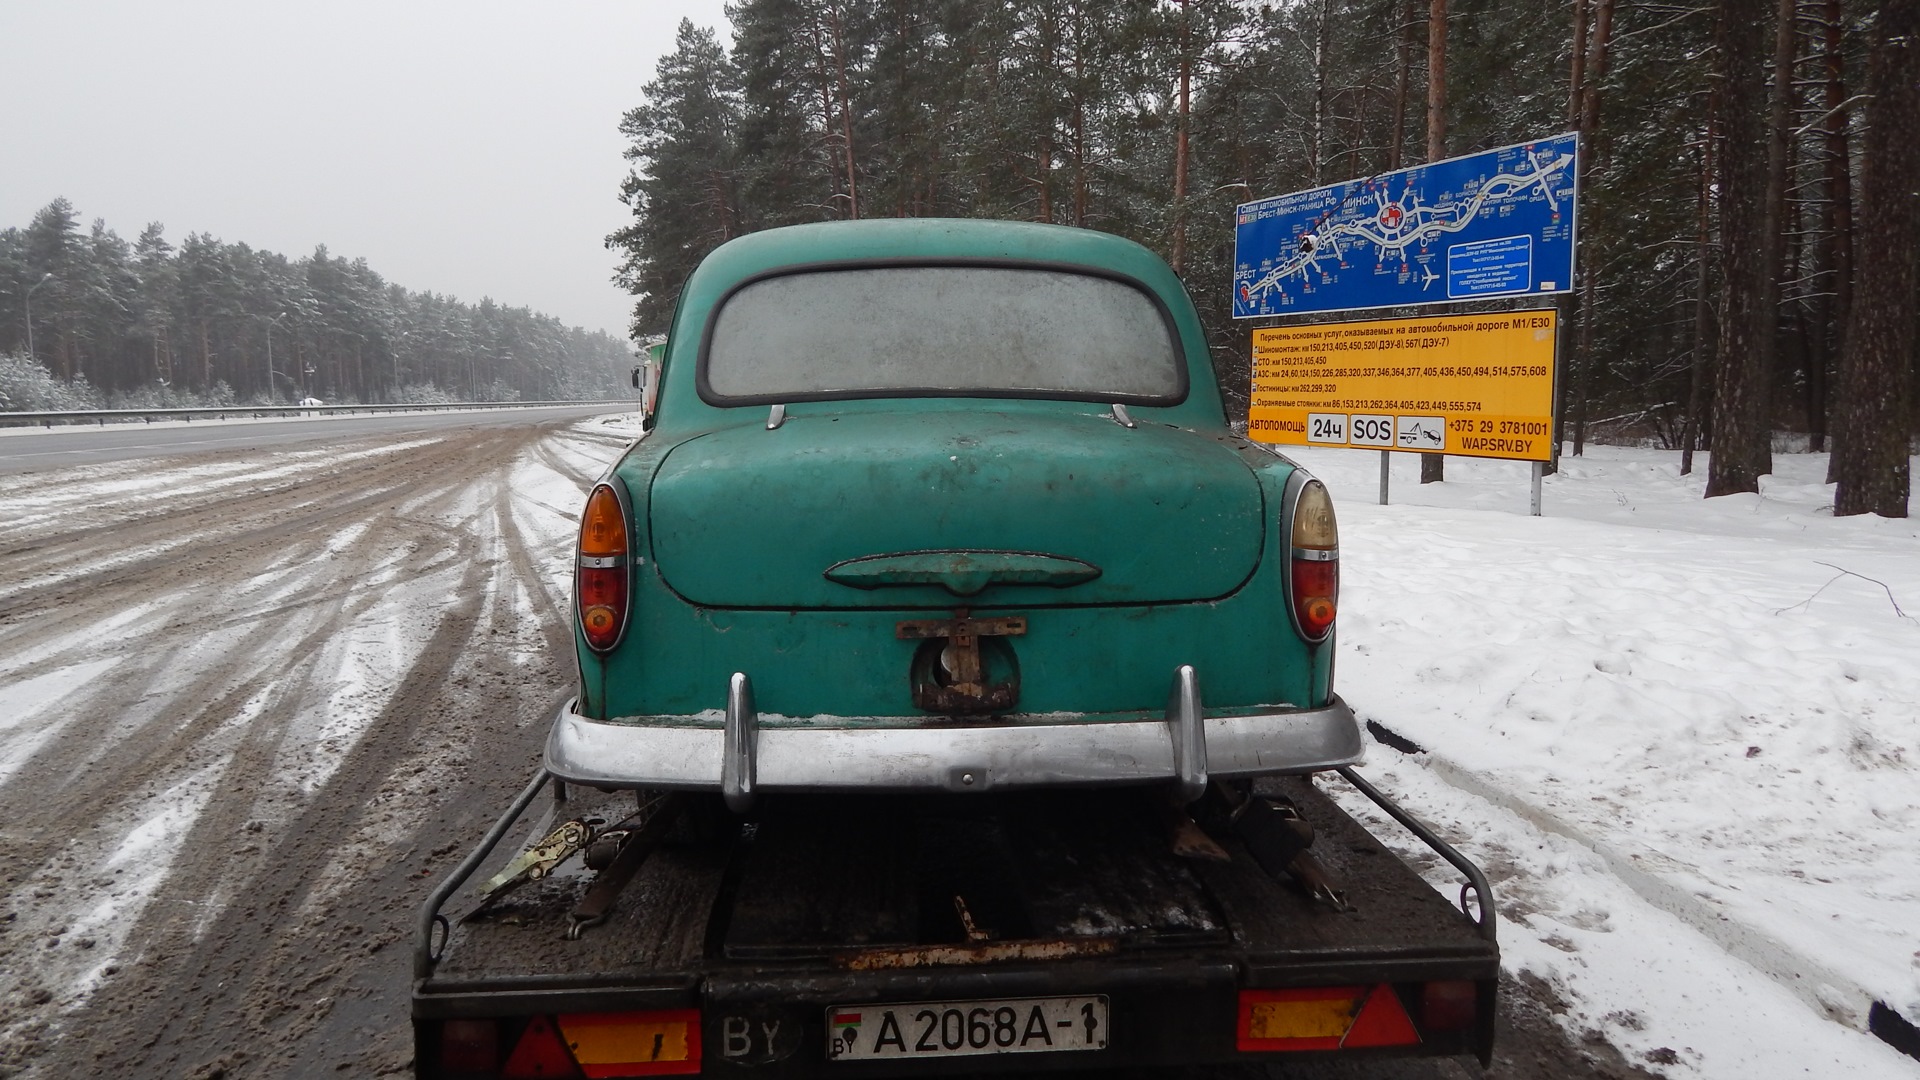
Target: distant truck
951,683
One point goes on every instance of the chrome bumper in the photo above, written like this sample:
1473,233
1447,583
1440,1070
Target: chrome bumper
743,757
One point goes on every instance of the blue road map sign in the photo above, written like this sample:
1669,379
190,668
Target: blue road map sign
1498,223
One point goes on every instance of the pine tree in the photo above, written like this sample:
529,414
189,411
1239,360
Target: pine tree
683,190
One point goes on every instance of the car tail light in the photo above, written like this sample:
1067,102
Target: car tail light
1316,561
600,581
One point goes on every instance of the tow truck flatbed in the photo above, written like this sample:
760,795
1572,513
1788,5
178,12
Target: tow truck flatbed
774,939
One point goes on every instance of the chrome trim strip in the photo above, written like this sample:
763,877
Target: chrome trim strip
739,742
1315,555
584,751
602,562
1187,725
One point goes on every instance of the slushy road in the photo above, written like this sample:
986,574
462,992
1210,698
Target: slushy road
31,449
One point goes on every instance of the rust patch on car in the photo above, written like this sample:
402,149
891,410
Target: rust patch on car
921,956
950,674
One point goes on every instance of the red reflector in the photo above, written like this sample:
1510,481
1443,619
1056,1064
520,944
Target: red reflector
653,1043
1449,1005
540,1055
1382,1022
468,1047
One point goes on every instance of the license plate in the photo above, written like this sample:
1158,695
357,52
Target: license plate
929,1029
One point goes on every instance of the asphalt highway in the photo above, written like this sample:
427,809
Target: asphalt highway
34,449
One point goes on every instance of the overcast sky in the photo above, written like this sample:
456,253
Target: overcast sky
467,148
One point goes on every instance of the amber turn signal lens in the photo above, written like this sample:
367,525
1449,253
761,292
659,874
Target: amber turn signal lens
603,528
1314,527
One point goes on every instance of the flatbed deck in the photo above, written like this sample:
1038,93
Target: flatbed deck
828,901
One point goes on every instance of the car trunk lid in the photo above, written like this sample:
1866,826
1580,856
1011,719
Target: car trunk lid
949,508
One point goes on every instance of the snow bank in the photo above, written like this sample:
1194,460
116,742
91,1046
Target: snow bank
1708,692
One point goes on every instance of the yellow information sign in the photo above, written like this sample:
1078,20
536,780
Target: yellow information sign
1471,385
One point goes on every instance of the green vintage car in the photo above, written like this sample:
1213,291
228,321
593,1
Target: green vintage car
947,505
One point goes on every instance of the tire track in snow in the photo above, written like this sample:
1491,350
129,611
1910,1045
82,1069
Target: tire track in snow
47,833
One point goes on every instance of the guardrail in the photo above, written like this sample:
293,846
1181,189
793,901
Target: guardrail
81,416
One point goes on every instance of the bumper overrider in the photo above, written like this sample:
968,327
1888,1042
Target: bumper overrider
741,755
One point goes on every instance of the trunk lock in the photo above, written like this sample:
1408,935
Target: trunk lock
963,665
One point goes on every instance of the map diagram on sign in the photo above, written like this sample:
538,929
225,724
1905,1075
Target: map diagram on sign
1498,223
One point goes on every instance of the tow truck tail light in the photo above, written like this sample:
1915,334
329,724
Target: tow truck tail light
1316,561
1449,1005
572,1046
1323,1018
600,581
657,1043
469,1048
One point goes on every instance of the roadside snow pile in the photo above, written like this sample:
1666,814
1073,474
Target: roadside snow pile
1710,698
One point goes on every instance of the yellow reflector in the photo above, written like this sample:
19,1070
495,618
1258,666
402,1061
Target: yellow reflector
1301,1019
1314,1018
634,1043
1323,1018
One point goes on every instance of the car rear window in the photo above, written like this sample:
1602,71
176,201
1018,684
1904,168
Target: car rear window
942,330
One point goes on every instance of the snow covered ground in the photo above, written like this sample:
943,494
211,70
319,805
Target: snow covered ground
1682,735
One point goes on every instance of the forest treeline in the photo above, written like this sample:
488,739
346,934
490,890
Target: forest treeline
148,324
1748,208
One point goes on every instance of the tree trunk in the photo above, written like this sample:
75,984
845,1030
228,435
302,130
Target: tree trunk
1774,223
1317,133
1837,248
1568,303
1742,451
1403,77
1079,117
1433,467
1700,375
846,111
1877,370
1589,124
1178,257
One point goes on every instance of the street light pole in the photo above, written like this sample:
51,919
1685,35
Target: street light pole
44,278
271,323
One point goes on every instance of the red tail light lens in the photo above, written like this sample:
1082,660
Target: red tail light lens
1449,1005
1315,566
600,581
469,1049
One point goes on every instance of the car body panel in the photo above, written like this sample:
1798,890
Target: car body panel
1163,514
